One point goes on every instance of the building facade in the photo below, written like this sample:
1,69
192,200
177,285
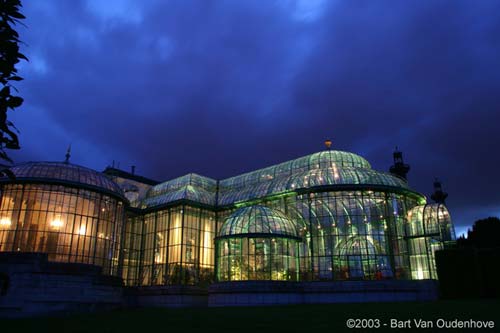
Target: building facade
327,216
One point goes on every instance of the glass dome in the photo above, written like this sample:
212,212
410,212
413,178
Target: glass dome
258,243
65,174
260,220
326,168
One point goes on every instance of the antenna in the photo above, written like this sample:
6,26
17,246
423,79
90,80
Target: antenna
68,154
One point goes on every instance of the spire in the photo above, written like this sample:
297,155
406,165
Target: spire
399,168
68,154
439,196
328,144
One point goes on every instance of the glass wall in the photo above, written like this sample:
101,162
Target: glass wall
176,247
429,229
347,235
257,258
69,224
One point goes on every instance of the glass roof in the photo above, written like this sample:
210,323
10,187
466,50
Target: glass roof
189,187
63,172
258,220
323,168
319,169
320,160
429,218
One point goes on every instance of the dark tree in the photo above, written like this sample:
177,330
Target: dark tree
471,269
9,57
485,233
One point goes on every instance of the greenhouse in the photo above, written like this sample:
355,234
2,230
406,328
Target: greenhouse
72,213
327,216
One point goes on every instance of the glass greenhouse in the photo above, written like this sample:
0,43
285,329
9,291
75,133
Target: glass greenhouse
323,217
72,213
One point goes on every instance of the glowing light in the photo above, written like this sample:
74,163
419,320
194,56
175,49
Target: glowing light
420,274
5,222
56,223
82,230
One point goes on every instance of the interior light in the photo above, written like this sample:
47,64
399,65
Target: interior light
420,274
56,223
82,230
5,222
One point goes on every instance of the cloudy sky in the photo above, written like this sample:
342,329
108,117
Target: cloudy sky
223,87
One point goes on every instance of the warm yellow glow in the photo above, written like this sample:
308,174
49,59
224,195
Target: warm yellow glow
206,257
56,223
159,258
5,222
82,230
174,254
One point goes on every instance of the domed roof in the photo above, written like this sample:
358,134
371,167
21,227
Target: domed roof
258,220
325,168
63,173
430,219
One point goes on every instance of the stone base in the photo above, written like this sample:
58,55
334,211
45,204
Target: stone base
258,293
168,296
31,285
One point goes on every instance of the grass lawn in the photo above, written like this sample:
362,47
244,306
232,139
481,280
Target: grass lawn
295,318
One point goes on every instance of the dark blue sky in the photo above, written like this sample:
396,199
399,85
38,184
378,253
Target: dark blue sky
223,87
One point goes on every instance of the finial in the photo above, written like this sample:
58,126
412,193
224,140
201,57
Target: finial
328,144
68,154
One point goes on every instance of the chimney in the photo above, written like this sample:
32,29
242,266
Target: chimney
132,169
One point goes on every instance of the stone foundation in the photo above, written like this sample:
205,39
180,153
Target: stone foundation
169,296
31,285
250,293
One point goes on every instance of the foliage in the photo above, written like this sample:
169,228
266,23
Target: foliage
485,233
9,57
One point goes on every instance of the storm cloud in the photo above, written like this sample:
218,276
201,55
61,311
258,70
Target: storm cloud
224,87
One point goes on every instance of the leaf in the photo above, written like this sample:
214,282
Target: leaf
22,56
15,101
17,15
3,156
5,91
7,172
15,78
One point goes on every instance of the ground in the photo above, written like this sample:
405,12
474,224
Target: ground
296,318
